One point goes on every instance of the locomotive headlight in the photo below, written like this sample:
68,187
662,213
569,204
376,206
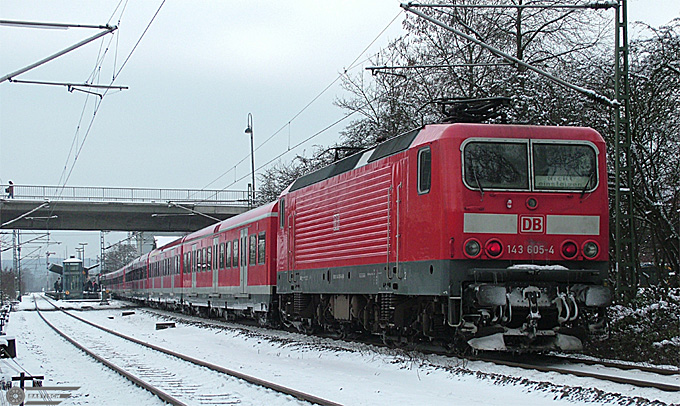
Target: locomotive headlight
472,248
494,248
569,249
590,249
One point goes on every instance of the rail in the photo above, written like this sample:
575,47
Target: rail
307,397
128,195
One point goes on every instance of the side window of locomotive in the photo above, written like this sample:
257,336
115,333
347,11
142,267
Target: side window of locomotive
282,212
261,248
253,250
424,170
564,167
235,244
496,165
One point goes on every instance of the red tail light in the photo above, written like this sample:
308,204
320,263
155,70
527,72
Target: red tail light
569,249
494,248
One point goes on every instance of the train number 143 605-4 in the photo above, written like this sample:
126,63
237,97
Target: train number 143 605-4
531,249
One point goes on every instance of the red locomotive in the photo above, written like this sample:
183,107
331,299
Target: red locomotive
496,234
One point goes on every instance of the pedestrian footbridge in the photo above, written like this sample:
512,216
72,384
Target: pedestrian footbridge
118,209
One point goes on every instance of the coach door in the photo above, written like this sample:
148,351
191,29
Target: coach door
244,260
215,263
194,265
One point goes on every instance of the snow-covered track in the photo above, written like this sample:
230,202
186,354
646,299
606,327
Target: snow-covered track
603,370
133,378
275,388
612,371
614,364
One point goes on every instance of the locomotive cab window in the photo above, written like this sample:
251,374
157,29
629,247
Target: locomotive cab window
562,166
500,165
424,170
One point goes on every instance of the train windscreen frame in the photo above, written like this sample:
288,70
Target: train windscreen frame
552,165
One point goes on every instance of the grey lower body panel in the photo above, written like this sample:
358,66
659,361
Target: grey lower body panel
430,278
252,302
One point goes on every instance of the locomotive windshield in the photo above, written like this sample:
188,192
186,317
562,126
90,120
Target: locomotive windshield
505,165
496,165
564,167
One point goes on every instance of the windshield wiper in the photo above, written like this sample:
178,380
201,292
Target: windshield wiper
590,177
479,184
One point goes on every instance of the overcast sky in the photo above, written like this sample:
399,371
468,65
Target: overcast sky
194,77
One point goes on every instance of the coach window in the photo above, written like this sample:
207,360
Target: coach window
424,170
282,212
208,260
227,253
261,248
253,249
222,256
235,244
214,256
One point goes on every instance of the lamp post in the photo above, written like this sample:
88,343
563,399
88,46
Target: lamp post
249,130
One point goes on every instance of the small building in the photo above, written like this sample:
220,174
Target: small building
75,281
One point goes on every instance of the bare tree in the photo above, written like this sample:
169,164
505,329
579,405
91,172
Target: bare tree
655,88
120,255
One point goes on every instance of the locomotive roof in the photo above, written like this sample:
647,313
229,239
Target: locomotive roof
390,147
434,132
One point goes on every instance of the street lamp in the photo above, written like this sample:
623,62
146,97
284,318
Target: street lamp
249,130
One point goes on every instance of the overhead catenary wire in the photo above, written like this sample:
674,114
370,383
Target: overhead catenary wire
98,104
316,134
344,72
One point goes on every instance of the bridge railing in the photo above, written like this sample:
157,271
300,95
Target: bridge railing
129,195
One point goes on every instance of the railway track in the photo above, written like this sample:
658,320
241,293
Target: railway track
645,377
659,378
160,377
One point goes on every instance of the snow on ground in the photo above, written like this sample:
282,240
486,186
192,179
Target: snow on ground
348,373
41,352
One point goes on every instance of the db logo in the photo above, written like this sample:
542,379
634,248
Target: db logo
531,224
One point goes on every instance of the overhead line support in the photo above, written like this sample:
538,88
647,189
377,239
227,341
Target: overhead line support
107,30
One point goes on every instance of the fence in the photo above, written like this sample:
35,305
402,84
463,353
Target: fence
130,195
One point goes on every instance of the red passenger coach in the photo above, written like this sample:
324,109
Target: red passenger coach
498,232
225,270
